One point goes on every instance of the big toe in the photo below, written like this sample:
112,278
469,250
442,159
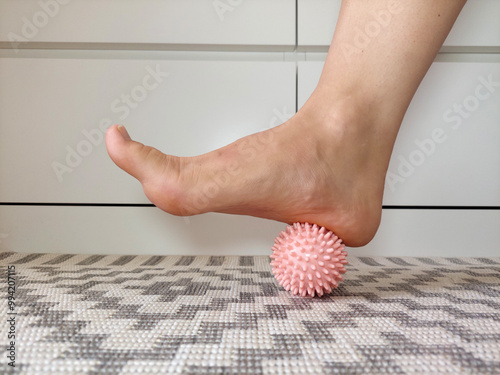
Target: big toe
138,160
157,172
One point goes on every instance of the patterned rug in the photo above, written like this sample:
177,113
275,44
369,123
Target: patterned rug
96,314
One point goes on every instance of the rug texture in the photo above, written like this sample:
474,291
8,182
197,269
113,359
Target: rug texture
97,314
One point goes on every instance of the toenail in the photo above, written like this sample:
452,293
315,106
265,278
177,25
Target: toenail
123,132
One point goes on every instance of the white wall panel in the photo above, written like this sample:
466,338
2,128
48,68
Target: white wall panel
170,22
132,230
206,100
446,233
147,230
448,148
48,108
316,20
477,25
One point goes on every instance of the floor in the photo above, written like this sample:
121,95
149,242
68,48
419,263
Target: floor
103,314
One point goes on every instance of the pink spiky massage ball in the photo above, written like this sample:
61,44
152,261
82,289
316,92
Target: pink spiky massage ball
308,259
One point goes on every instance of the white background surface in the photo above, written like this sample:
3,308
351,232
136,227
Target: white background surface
228,77
176,23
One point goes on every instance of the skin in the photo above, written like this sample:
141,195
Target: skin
327,164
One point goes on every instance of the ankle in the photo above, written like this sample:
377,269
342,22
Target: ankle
344,119
351,120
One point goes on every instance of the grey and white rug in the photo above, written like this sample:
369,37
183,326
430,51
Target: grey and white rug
96,314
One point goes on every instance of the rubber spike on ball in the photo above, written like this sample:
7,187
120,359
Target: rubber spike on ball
308,260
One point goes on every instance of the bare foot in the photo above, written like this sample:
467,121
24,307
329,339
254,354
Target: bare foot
321,166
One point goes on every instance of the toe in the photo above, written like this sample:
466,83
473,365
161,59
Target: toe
142,162
158,173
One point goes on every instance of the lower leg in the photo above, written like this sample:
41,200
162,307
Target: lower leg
329,166
381,51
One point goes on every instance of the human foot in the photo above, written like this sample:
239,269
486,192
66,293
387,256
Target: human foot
321,166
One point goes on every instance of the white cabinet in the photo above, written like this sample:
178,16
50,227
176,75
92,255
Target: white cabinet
147,230
53,113
477,26
172,24
194,75
316,20
448,147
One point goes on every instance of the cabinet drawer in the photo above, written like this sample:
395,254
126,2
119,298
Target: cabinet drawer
174,23
448,147
147,230
477,25
53,113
